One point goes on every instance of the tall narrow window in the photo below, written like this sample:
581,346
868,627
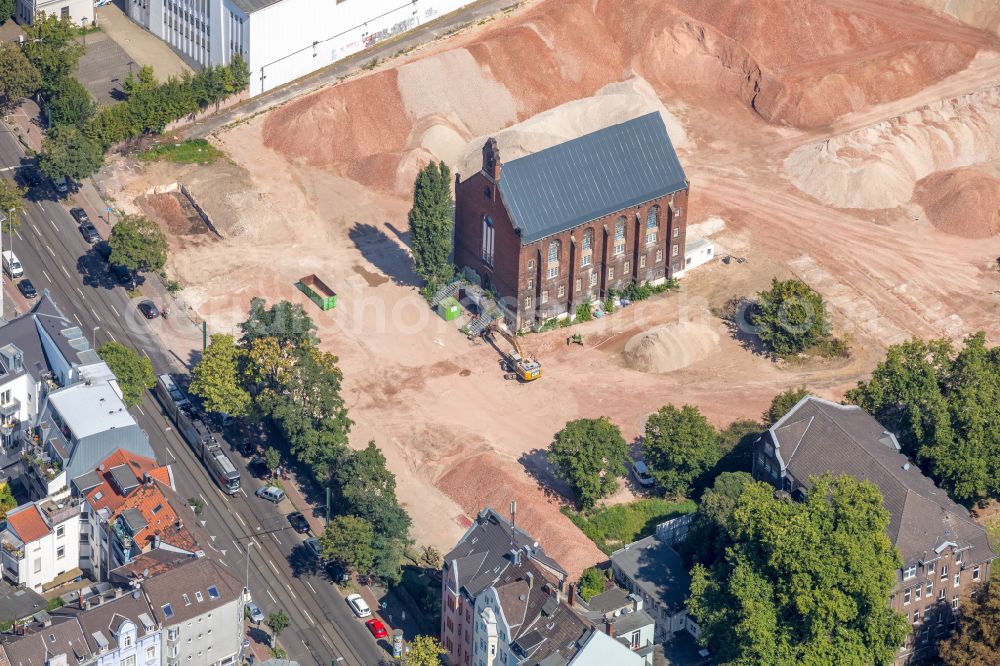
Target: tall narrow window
553,264
489,237
652,224
620,235
587,255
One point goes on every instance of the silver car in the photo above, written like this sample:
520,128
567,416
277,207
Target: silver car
254,613
271,493
641,473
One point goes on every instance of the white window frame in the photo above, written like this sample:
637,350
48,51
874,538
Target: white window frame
929,590
910,572
642,261
675,250
553,272
659,254
527,302
650,238
127,661
489,240
677,232
561,291
593,279
907,593
611,272
944,572
976,573
531,284
958,579
545,297
620,248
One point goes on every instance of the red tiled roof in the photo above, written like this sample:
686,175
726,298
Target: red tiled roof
140,465
28,524
159,515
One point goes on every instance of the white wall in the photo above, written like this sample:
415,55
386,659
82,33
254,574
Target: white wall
214,636
294,37
78,10
43,554
146,649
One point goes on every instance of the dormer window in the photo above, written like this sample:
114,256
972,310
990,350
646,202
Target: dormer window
910,572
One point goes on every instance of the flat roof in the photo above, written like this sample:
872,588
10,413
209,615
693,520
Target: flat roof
90,409
19,603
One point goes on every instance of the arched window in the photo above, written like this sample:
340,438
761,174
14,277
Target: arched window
587,255
489,238
553,263
652,223
620,235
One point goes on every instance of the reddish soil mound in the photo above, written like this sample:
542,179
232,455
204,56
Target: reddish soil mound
484,480
964,202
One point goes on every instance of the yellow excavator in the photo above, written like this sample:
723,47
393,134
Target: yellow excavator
515,364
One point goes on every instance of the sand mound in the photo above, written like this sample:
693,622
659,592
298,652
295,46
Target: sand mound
671,347
964,202
877,166
983,14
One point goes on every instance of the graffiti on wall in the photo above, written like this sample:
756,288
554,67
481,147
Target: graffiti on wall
373,38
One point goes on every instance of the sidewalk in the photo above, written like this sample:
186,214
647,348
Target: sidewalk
142,46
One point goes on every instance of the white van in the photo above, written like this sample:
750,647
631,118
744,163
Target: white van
11,265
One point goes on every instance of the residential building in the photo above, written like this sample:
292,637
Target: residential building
945,553
40,544
565,226
80,12
281,40
624,618
655,574
199,604
129,509
480,559
122,632
47,641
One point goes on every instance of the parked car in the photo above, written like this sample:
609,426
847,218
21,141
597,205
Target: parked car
337,573
312,545
271,493
89,232
27,289
30,177
103,250
377,628
641,473
61,185
254,613
124,276
358,605
80,215
148,309
298,522
258,468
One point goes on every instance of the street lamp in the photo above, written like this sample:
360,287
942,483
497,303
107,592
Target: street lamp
84,22
3,218
11,218
96,329
247,585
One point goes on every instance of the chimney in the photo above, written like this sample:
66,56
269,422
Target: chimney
609,628
491,160
531,580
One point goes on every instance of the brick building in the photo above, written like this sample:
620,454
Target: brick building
945,554
561,227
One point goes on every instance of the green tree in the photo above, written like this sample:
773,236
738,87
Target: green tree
977,640
134,371
50,45
790,317
424,651
278,622
708,534
66,151
431,225
216,378
18,77
591,583
6,12
7,501
287,323
944,408
137,243
11,200
589,454
272,458
782,404
679,446
349,541
71,104
803,582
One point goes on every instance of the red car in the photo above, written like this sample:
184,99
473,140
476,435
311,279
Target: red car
377,628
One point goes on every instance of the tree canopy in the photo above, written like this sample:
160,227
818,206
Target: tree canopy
679,445
424,651
349,541
943,406
71,103
7,500
708,535
50,45
138,244
134,371
977,640
431,224
18,77
589,454
66,151
6,12
11,200
216,378
278,622
287,323
783,403
802,582
790,317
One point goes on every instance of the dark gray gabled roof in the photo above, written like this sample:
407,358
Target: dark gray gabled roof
656,569
589,177
818,436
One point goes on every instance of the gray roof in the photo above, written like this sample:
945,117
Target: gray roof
656,569
107,618
91,451
819,436
251,6
24,333
595,175
195,575
609,601
629,622
65,636
19,603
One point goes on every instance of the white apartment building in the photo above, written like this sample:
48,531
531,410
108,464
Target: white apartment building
122,632
81,12
40,546
281,40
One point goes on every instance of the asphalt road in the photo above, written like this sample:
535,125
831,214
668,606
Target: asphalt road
281,576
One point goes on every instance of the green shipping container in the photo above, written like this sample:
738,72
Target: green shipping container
318,292
449,309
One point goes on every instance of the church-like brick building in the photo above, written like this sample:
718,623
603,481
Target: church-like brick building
563,226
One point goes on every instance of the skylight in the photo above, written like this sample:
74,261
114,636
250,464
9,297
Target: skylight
213,592
158,508
187,599
168,610
198,597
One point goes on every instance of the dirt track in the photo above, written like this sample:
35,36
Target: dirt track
322,189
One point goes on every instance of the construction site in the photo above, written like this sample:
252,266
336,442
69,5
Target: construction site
851,144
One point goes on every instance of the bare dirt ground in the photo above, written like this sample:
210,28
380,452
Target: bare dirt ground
321,186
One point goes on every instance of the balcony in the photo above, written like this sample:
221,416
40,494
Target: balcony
173,635
10,408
